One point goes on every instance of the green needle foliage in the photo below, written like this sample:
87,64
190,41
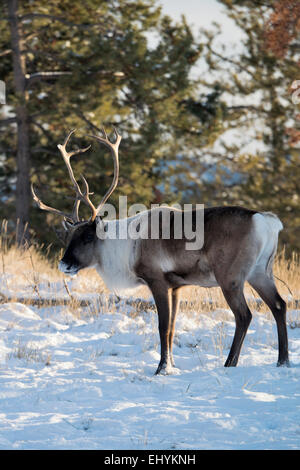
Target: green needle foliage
225,137
84,65
257,162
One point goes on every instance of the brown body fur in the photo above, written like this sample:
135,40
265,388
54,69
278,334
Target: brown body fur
233,251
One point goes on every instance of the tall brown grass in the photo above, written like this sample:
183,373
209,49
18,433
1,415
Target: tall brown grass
28,268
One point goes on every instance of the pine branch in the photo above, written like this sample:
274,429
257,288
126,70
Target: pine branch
36,77
13,119
30,16
236,64
92,125
87,121
43,149
43,53
43,130
5,122
247,107
6,52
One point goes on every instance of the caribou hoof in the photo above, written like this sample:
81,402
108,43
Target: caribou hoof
285,363
166,369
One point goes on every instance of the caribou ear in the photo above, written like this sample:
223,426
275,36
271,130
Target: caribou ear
100,228
67,225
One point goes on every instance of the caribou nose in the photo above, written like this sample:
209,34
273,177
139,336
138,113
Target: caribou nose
63,267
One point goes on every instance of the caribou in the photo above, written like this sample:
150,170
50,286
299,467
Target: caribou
239,245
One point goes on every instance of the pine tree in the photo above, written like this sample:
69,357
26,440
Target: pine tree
258,166
85,65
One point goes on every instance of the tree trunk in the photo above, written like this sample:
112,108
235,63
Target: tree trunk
23,149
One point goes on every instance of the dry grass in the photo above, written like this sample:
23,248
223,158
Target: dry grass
32,267
30,354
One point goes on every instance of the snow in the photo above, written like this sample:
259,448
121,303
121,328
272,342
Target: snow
76,380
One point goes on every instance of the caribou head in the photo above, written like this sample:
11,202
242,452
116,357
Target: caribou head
82,235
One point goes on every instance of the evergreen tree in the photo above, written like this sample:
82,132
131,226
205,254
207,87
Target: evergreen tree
71,64
258,165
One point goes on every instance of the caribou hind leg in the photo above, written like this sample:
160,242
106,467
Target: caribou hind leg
234,296
175,299
266,289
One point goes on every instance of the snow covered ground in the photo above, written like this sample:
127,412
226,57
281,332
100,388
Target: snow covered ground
76,380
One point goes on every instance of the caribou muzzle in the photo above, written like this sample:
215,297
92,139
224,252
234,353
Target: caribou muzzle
68,268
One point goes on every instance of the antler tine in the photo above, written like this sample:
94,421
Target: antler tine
104,133
87,200
114,147
73,152
84,197
44,207
117,135
62,147
75,211
68,137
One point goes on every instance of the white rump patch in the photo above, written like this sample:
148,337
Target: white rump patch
273,221
266,229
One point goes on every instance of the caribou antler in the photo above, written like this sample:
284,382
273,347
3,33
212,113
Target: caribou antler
114,148
83,196
73,217
80,196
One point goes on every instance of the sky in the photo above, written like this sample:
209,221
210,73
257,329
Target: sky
201,14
